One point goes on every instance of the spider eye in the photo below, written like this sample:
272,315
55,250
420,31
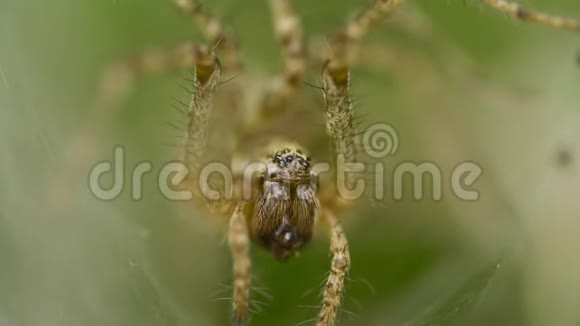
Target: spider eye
289,159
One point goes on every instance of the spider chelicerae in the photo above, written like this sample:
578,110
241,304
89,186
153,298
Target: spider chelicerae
289,200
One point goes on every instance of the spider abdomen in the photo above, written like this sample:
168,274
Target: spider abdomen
285,208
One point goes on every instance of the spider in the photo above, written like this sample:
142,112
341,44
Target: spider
289,200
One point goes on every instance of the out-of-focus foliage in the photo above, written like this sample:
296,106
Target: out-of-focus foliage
458,81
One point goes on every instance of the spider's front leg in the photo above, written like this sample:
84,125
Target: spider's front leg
517,11
214,31
207,73
341,130
230,106
336,76
230,101
115,84
119,78
282,89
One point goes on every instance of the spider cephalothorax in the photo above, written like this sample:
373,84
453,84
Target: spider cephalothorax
286,204
281,213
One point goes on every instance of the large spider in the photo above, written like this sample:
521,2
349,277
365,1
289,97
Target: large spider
288,201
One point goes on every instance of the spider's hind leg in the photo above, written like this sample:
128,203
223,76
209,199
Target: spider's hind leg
239,243
334,288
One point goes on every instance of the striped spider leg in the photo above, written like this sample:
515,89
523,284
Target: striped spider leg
289,200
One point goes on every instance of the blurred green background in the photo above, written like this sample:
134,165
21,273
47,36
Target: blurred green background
458,81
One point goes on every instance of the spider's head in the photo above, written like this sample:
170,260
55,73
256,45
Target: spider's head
290,165
286,206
